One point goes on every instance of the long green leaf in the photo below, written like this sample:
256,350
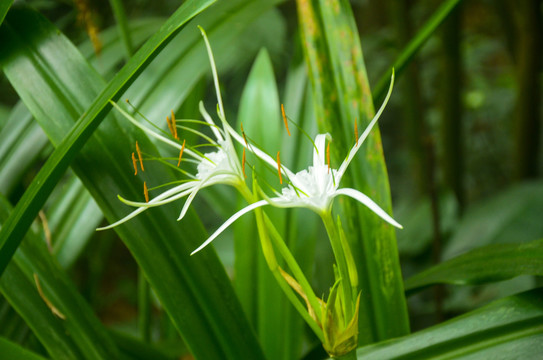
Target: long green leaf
13,351
195,291
413,47
484,265
510,328
4,7
341,94
21,142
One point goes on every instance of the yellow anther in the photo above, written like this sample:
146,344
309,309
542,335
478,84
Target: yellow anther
285,119
328,156
279,168
139,156
243,164
135,164
145,192
181,153
355,131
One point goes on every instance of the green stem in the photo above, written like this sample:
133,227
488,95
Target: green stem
341,262
348,356
294,267
264,224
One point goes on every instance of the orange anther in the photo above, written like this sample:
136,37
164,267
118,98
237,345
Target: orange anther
279,168
243,163
244,137
356,132
285,119
139,156
174,126
145,192
135,164
181,153
169,122
328,156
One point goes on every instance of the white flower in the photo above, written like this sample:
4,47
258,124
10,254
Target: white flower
315,187
217,167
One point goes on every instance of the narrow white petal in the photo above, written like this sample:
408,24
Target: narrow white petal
181,191
229,222
319,151
209,120
157,201
132,215
208,181
213,70
190,198
366,132
357,195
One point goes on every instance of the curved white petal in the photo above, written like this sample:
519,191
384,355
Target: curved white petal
181,191
213,70
366,132
364,199
319,151
158,201
209,120
229,222
132,215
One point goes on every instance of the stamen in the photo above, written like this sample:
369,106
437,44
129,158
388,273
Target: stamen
169,122
285,119
328,157
174,126
279,168
139,156
181,153
243,133
145,192
243,164
135,164
355,132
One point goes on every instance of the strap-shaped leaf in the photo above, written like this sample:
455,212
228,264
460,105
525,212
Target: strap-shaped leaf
484,265
341,95
509,328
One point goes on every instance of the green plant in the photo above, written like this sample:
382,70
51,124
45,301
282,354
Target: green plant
292,282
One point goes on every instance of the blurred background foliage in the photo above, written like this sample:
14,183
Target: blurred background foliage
461,136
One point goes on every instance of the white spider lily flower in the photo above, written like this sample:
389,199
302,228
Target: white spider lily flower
315,187
217,167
